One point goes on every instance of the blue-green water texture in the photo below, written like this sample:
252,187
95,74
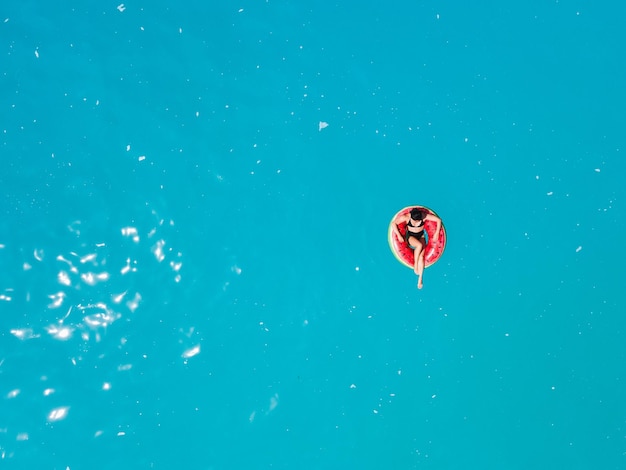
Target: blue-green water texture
194,267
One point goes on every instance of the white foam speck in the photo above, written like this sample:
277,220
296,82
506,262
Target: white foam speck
23,333
91,279
58,414
273,402
131,232
38,255
62,333
578,249
157,250
192,352
87,258
134,302
322,125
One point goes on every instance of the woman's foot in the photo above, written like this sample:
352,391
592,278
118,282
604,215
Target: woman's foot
419,282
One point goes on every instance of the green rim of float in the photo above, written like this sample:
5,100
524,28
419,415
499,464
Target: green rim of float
432,251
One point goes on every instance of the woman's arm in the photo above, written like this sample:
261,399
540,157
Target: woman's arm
398,220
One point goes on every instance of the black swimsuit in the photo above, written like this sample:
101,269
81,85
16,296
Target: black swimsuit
419,235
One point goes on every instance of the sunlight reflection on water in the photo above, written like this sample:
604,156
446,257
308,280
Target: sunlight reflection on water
58,300
92,289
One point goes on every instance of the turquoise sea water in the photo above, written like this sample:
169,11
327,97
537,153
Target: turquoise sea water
194,272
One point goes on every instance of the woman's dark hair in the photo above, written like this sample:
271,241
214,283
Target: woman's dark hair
417,214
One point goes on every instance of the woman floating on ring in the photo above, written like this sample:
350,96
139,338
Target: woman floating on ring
414,236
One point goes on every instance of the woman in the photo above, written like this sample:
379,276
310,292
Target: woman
414,236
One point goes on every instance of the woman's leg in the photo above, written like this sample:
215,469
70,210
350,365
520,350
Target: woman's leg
418,255
420,264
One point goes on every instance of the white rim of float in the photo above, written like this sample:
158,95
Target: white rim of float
391,236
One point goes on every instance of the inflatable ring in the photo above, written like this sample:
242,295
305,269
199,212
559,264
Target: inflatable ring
432,251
